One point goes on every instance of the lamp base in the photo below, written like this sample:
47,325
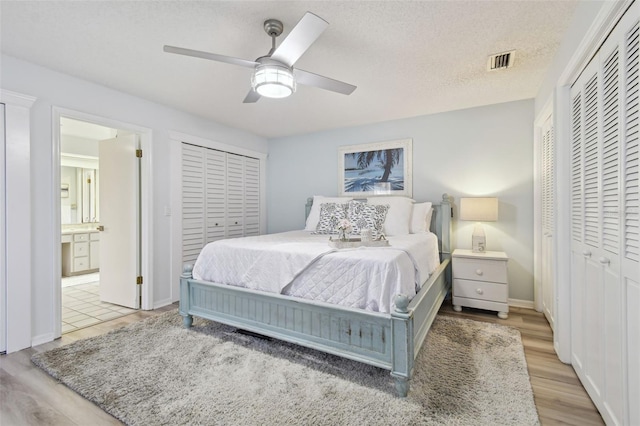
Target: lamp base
478,244
478,240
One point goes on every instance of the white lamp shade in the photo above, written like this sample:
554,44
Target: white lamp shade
273,80
479,209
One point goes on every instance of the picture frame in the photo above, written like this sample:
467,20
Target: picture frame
381,168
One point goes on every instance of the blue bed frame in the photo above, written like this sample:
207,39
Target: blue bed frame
390,341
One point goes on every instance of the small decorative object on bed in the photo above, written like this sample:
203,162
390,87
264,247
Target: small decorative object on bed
374,305
344,229
364,170
381,241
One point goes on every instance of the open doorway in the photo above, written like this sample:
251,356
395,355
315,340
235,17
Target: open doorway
100,230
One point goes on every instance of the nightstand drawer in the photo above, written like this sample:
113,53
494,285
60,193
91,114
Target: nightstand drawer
480,270
480,290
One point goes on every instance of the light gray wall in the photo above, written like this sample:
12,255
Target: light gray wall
55,89
77,145
472,152
583,17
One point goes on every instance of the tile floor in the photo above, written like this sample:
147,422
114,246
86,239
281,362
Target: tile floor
81,305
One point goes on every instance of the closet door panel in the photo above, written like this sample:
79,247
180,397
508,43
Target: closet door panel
593,326
632,135
613,330
591,162
610,155
632,337
548,221
235,196
193,205
578,314
630,223
252,196
216,191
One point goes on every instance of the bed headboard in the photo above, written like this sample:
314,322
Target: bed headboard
440,223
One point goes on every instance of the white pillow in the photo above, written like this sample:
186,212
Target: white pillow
399,215
428,220
314,214
421,217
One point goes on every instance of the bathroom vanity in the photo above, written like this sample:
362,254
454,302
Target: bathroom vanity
80,251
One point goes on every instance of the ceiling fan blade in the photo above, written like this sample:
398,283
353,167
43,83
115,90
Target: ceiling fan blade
310,79
301,37
252,97
210,56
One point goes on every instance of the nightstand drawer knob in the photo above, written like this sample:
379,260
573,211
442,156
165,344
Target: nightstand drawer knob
479,271
479,291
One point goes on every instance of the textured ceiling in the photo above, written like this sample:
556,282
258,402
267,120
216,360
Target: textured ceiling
407,58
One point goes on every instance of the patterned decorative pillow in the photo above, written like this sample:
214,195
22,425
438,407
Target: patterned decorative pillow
330,215
363,216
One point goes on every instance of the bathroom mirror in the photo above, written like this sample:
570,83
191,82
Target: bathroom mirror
79,198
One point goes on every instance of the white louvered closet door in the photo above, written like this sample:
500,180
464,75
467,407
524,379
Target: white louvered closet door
193,202
251,196
215,194
631,215
548,220
220,198
235,196
605,292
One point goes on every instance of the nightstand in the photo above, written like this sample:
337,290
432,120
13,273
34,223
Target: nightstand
480,281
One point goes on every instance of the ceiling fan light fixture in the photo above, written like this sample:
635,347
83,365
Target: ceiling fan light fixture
273,80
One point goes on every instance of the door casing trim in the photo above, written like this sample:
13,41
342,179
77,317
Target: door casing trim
146,204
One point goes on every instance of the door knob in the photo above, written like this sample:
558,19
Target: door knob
100,228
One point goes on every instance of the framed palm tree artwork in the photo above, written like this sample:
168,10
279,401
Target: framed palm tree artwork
376,169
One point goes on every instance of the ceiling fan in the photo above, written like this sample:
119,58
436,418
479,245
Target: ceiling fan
274,75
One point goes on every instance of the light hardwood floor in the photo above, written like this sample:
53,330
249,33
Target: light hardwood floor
28,396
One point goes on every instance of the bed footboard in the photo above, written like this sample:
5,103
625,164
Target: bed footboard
387,341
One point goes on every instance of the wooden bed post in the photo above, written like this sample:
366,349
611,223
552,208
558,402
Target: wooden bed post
402,344
307,208
445,230
187,274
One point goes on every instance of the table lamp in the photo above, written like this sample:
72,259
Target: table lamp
480,209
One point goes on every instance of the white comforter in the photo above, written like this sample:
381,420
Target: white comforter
300,264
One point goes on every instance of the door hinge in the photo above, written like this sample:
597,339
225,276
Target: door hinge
139,153
139,280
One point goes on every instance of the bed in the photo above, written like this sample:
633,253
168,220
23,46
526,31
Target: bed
383,334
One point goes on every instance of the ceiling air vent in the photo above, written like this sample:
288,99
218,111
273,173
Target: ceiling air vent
501,60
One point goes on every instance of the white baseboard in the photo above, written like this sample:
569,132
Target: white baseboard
43,338
161,303
518,303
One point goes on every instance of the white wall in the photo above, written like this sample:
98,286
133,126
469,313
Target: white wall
77,145
581,22
472,152
55,89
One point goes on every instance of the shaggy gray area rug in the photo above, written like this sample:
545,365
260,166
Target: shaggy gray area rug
155,372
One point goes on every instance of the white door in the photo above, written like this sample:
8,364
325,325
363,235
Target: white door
548,222
119,194
3,282
605,284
